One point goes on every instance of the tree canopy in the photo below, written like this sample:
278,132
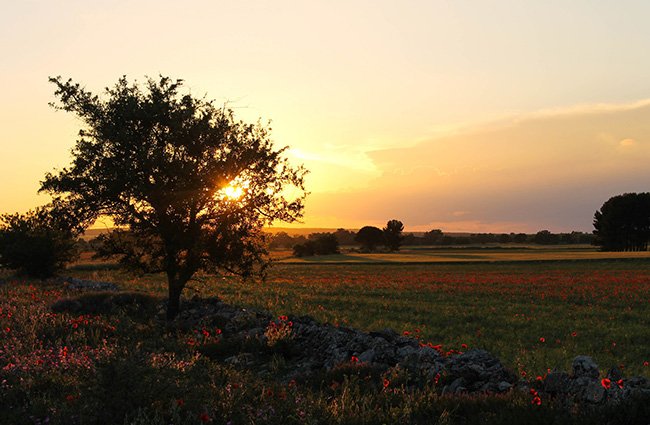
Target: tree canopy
623,223
393,234
370,237
192,185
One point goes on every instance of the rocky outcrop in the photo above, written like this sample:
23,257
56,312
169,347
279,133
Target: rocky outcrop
317,347
310,348
585,385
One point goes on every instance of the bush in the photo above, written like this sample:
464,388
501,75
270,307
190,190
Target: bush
40,242
318,244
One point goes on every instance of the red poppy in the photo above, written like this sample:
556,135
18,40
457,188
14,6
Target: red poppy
574,333
645,363
620,383
386,383
537,400
606,383
354,359
204,417
180,402
463,346
542,339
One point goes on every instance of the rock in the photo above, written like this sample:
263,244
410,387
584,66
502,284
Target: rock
503,386
368,356
585,366
593,393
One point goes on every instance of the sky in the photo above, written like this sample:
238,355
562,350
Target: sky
477,116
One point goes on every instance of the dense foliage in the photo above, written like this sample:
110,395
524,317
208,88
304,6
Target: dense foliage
40,242
317,244
193,186
623,223
393,234
370,237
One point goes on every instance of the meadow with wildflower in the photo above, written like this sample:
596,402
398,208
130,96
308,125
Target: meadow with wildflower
121,363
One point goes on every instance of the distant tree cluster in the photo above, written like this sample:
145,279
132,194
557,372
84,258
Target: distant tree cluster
623,223
436,237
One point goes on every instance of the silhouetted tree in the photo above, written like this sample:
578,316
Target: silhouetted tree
623,223
393,234
545,237
433,237
345,237
192,185
318,244
370,237
40,242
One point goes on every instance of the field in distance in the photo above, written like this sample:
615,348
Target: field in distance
495,253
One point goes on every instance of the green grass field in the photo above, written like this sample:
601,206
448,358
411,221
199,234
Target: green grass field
534,309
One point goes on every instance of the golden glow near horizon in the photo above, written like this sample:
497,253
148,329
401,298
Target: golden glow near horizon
476,116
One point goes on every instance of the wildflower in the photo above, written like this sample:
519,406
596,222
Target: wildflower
542,339
463,346
436,379
606,383
574,334
204,417
645,363
406,333
386,383
283,318
539,378
354,359
291,383
620,383
537,400
180,402
70,398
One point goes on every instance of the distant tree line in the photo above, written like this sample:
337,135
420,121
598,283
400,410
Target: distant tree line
391,238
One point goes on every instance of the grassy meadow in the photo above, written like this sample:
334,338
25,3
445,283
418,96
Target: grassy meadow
125,366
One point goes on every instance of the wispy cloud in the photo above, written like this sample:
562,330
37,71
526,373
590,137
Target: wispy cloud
548,169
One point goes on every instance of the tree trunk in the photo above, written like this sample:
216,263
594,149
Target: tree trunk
174,302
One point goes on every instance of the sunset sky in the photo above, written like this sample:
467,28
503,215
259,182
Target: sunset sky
479,116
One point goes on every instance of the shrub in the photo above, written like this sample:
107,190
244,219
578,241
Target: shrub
318,244
40,242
